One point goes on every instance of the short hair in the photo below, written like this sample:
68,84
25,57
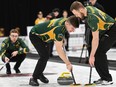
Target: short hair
76,5
65,11
40,13
56,10
74,21
14,31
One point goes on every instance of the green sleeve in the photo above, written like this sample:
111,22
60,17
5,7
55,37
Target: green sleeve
93,22
3,49
59,37
58,34
24,49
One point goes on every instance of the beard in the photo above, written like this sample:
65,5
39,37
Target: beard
82,16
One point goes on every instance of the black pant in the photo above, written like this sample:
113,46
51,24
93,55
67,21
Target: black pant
51,45
67,35
18,59
43,51
105,43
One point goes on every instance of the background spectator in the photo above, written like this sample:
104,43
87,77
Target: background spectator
54,14
1,32
40,18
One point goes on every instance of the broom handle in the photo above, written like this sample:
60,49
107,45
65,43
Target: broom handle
5,64
90,75
73,77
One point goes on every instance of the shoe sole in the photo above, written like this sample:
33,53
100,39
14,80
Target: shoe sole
108,84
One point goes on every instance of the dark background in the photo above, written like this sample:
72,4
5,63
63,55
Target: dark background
22,13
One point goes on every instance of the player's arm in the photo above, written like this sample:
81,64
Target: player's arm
95,43
62,54
24,46
60,50
3,49
95,40
59,37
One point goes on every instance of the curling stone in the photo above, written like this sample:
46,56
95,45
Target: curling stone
65,79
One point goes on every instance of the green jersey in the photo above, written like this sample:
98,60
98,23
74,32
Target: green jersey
53,30
98,20
7,47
